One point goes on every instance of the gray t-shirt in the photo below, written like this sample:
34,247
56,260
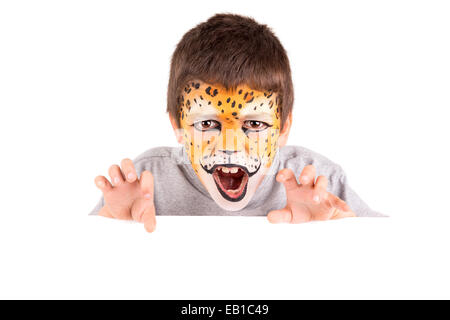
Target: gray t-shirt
178,191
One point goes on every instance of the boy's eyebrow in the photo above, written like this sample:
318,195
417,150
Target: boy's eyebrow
257,115
203,115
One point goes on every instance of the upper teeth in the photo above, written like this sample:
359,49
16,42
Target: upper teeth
229,170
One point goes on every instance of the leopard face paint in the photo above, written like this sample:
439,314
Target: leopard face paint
231,138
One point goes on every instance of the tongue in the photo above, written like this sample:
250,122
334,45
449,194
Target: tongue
230,183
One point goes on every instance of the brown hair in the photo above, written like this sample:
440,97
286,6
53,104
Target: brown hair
230,49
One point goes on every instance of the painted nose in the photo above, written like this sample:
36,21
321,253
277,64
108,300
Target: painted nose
229,152
232,141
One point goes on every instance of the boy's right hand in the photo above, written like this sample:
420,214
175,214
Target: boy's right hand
126,196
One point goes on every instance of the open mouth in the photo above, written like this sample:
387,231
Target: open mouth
231,181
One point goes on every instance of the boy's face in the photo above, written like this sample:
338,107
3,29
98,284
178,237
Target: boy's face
231,139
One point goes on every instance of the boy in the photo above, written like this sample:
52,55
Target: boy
230,98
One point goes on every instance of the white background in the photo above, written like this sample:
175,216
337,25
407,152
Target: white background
83,85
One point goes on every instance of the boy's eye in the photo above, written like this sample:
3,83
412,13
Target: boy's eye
206,125
255,125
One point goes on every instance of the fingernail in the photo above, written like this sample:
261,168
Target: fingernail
305,179
100,184
131,176
116,180
281,177
316,199
147,196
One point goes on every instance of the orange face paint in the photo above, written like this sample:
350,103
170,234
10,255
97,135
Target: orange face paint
231,138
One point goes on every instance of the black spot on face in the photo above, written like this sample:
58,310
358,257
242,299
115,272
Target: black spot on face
240,106
234,114
233,104
208,90
240,91
228,100
197,85
219,103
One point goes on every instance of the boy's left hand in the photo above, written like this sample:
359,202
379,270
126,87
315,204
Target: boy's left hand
308,200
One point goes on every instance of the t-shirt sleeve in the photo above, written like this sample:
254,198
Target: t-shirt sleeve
342,189
98,206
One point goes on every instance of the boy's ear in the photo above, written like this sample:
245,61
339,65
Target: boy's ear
284,133
176,130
